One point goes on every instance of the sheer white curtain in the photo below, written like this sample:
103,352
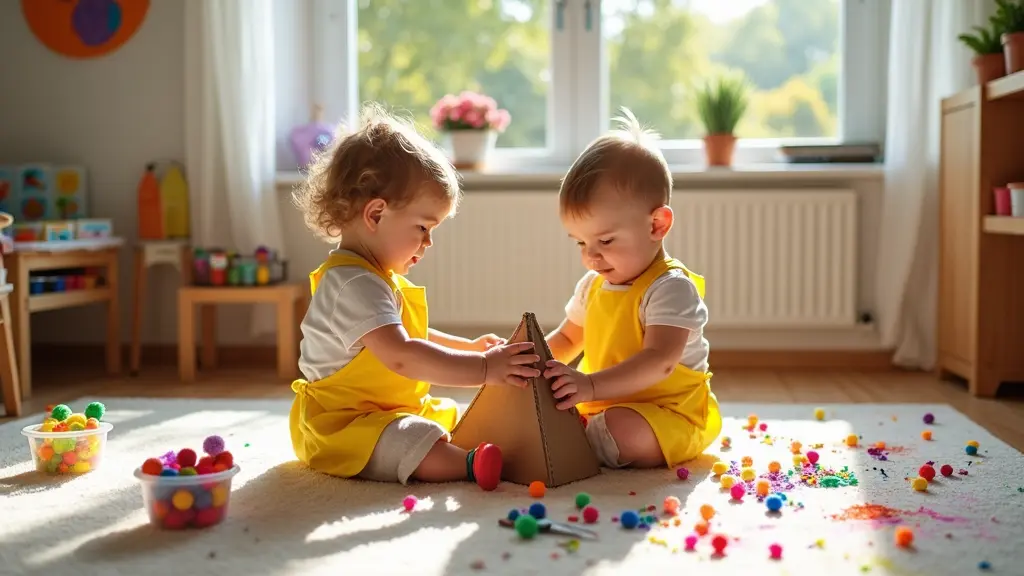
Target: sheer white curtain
229,128
926,64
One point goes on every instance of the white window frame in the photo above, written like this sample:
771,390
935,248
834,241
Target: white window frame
577,57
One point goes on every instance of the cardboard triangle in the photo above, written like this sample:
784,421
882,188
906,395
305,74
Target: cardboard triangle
537,440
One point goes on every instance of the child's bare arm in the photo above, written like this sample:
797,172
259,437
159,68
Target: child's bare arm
566,342
479,344
663,346
431,362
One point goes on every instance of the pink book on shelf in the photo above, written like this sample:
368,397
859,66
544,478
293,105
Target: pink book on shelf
310,138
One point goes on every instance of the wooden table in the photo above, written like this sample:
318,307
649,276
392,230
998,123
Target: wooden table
38,256
290,300
8,364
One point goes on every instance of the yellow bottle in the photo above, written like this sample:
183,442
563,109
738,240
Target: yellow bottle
174,194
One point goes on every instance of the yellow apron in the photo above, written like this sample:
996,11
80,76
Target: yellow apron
335,422
681,409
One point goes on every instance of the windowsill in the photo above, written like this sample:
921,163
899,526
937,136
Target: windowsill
780,172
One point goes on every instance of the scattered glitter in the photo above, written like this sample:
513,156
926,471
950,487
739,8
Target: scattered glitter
878,454
817,475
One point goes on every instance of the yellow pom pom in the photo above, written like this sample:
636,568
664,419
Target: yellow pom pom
182,499
973,443
47,425
798,460
727,481
819,413
76,426
752,419
774,467
919,484
76,417
81,467
220,495
719,468
748,474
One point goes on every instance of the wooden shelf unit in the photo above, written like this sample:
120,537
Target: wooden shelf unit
981,284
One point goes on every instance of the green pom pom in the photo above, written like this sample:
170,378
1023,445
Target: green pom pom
61,412
95,410
582,499
526,526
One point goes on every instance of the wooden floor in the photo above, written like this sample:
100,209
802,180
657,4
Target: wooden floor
1003,417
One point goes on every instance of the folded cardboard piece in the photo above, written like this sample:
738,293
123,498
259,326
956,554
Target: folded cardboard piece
537,440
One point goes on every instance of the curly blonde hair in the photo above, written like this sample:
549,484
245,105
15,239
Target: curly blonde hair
628,159
384,157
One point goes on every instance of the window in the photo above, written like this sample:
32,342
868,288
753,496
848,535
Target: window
564,67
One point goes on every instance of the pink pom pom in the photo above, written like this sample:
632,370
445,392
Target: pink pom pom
738,491
682,473
775,551
690,542
409,502
812,457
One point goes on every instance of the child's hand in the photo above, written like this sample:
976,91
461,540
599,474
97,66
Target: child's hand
508,364
570,386
486,342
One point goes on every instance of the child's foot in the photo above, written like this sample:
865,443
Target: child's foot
486,465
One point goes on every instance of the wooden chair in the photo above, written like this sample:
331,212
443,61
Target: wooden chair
8,365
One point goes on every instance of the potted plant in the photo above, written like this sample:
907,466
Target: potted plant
1009,22
470,123
989,62
721,105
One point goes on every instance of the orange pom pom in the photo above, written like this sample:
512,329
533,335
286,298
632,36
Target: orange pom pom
904,536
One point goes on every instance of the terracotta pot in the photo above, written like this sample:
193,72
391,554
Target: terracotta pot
989,67
719,149
1013,49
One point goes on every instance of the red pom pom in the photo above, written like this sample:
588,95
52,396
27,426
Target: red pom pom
946,470
219,467
926,472
226,459
187,458
207,460
152,466
719,543
204,468
590,514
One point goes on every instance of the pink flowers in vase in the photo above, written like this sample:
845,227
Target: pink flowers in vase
469,111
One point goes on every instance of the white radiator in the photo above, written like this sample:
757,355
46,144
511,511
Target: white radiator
771,258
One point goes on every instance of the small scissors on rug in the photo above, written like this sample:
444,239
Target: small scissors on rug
548,526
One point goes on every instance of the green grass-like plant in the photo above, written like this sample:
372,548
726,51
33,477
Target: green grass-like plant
722,103
1008,18
984,41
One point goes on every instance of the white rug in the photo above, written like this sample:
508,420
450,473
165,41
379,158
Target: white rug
284,519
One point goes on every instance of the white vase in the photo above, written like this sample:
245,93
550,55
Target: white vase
469,149
1017,202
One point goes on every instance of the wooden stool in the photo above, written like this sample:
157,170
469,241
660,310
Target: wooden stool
290,299
8,364
153,253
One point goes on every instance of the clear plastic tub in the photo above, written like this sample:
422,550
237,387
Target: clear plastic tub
179,502
75,452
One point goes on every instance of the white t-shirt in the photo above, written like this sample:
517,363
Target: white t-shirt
671,300
349,302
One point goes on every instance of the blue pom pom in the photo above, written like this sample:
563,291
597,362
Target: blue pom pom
513,514
203,499
537,510
773,502
169,472
983,565
971,450
629,519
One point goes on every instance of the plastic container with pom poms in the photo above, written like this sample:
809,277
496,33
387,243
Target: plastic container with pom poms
179,502
68,443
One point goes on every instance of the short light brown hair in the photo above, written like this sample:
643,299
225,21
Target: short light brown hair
628,159
384,157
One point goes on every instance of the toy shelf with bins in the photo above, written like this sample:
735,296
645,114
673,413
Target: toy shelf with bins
981,289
